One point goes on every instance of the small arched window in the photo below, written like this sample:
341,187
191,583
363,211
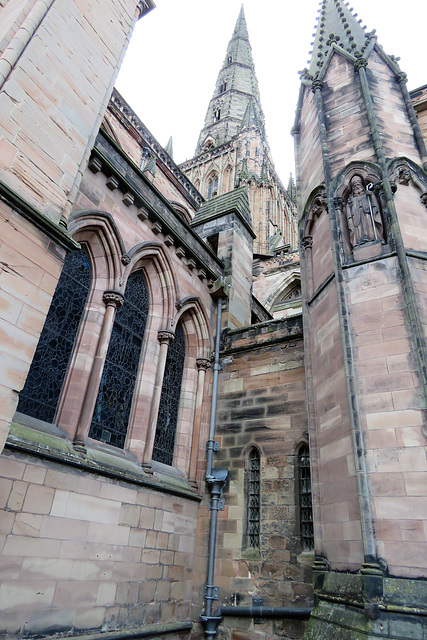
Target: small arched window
305,499
223,87
213,186
40,396
253,499
111,415
164,440
229,59
217,114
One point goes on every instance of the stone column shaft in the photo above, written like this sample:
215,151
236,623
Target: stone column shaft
113,300
165,338
203,365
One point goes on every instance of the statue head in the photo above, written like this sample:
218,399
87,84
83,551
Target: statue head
357,186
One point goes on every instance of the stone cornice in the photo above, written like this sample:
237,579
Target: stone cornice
57,233
115,162
119,106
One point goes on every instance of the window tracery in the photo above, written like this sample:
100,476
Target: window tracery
112,409
253,499
305,499
164,441
40,396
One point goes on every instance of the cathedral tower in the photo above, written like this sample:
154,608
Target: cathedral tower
361,163
233,150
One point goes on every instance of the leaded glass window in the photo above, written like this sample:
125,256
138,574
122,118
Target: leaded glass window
40,396
253,514
213,187
305,499
111,415
164,441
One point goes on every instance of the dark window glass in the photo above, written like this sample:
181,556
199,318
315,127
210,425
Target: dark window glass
112,409
305,499
164,441
254,499
40,395
213,187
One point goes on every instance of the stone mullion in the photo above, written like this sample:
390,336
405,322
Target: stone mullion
359,451
113,300
165,338
203,365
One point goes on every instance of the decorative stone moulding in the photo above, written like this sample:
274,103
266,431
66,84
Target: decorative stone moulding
112,183
142,213
95,165
169,241
156,228
191,264
180,252
128,198
202,274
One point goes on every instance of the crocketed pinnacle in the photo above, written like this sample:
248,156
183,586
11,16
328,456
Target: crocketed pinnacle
336,23
169,147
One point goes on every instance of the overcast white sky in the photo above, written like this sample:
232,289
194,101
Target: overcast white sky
177,50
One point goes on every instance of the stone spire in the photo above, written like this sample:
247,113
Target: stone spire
337,24
235,103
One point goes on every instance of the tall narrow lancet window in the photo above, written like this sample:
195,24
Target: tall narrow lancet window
40,395
111,416
164,441
305,499
253,499
213,186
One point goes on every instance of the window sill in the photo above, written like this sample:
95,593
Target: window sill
50,443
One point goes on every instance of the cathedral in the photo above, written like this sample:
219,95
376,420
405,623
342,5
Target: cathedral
213,387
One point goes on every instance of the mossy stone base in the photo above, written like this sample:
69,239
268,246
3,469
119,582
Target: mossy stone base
343,611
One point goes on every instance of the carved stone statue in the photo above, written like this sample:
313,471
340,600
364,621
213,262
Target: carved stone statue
363,214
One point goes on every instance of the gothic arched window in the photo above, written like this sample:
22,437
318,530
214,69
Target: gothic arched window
305,498
253,499
111,415
164,441
40,396
217,114
213,186
223,87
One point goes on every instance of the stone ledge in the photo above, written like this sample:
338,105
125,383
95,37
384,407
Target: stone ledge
42,222
148,631
44,444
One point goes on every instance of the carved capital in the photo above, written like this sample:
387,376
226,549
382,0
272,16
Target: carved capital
203,364
401,77
165,337
307,242
113,298
424,199
316,84
361,63
338,203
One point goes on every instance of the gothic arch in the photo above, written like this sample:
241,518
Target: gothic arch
99,231
287,283
161,279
